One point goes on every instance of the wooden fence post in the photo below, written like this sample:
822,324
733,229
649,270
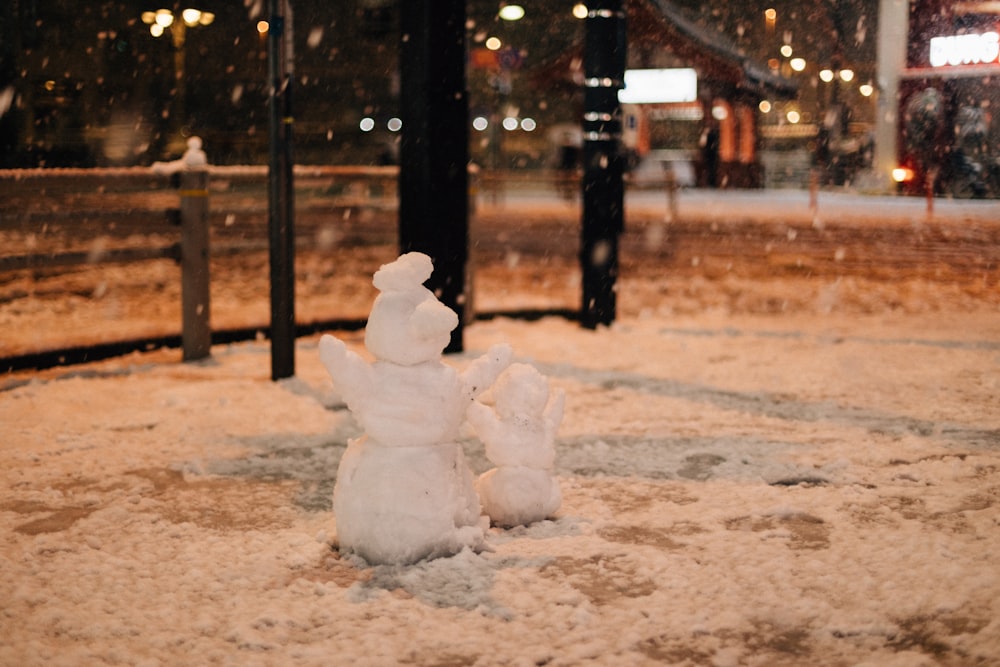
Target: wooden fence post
196,331
672,189
813,190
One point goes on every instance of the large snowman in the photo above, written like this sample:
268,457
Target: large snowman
404,491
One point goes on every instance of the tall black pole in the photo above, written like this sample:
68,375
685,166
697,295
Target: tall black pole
603,162
281,203
13,38
434,152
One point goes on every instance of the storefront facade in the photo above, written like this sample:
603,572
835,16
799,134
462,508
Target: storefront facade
949,94
714,128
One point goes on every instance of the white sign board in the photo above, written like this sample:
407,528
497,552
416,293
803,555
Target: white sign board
659,86
965,49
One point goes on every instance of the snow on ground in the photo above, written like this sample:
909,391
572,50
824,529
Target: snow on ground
737,490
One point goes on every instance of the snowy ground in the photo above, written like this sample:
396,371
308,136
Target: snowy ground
739,489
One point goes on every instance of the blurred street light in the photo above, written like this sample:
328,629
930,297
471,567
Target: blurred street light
162,19
511,12
828,75
770,17
158,22
193,17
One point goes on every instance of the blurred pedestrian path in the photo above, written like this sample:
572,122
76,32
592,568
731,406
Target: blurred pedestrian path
788,205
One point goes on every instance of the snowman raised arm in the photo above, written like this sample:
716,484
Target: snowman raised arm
352,375
404,491
484,371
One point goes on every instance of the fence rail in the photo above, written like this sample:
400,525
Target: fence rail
112,256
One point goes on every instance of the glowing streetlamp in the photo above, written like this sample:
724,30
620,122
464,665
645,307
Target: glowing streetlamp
828,75
161,20
511,12
193,17
770,18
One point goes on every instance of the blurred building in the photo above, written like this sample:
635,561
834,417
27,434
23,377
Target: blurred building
715,123
949,137
91,84
96,84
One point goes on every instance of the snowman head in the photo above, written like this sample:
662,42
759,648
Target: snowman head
521,391
194,156
407,325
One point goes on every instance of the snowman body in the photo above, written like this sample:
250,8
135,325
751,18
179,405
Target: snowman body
397,505
404,491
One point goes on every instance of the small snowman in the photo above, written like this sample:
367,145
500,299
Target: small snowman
519,436
194,158
404,491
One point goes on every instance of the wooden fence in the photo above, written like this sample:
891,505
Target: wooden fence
160,206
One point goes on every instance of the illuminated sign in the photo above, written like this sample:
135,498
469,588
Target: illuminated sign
965,49
659,86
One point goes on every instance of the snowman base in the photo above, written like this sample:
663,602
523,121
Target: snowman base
517,496
400,505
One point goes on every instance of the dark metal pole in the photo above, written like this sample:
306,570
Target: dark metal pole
281,204
603,162
434,152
